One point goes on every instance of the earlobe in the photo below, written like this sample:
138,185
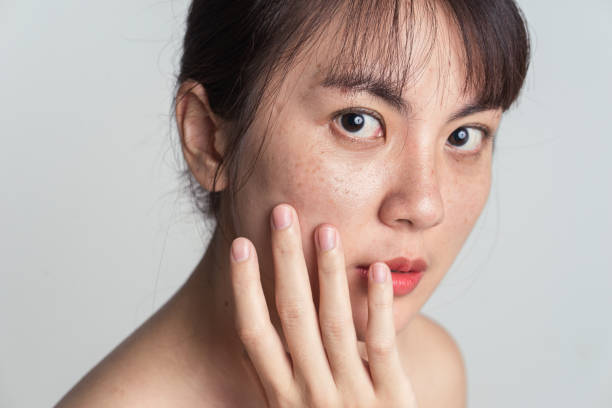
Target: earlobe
201,134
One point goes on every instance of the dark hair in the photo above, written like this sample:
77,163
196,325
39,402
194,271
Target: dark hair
234,48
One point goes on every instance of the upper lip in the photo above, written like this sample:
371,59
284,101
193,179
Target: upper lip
403,264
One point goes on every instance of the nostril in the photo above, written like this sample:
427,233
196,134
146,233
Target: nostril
403,220
416,209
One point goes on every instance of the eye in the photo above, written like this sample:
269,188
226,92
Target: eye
359,125
467,138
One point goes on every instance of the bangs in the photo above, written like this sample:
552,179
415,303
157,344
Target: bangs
239,52
384,46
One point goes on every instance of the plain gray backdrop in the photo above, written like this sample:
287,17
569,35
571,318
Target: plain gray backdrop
95,233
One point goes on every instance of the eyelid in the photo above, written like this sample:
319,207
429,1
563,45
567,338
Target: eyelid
367,111
487,135
486,130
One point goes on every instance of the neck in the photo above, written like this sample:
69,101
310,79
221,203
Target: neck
208,292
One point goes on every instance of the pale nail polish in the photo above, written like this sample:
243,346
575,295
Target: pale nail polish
379,273
240,250
281,217
327,238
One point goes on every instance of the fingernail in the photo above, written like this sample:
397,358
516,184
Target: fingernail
281,217
327,238
379,273
240,250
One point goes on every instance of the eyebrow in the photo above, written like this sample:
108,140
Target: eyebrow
389,92
468,110
378,87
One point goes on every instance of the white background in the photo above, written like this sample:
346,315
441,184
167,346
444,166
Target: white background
95,233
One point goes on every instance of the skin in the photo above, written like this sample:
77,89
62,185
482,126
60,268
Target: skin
409,195
403,191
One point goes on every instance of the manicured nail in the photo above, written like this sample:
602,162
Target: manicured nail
240,250
281,217
327,238
379,273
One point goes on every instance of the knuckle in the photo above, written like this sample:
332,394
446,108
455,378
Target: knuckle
244,282
291,310
250,335
283,247
282,398
382,305
371,401
329,264
315,397
381,347
367,401
333,328
286,242
355,396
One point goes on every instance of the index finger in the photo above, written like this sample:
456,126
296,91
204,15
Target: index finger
252,319
294,301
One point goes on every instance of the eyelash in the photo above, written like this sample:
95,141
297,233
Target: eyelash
486,132
486,137
358,111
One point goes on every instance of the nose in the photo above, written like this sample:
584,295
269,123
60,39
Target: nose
413,197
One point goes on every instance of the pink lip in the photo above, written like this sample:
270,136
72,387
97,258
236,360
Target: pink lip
402,264
406,273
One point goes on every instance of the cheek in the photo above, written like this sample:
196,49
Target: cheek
301,175
308,172
465,198
321,189
319,182
321,186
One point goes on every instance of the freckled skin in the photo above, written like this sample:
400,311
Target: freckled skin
405,192
407,195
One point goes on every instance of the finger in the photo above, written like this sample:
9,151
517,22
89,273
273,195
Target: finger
335,314
255,330
383,357
294,300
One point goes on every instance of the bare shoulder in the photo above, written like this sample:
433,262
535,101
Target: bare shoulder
121,379
144,370
433,360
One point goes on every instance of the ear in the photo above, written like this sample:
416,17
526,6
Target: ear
201,132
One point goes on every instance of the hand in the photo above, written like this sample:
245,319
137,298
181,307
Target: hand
324,368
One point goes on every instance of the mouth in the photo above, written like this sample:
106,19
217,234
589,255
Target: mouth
405,273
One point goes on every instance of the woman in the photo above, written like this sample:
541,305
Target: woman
344,150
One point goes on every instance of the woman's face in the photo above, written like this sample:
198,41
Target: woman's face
395,181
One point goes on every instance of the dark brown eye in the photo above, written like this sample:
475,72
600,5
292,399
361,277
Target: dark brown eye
352,122
358,125
459,137
467,138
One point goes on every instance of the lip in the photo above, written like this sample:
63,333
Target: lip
405,273
402,264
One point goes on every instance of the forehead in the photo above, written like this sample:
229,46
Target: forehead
417,54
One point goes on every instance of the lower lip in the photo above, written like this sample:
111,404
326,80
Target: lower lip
403,282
